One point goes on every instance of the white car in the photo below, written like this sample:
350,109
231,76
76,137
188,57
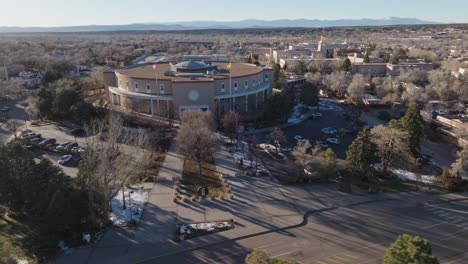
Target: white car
65,159
78,149
329,131
321,144
299,138
333,141
62,146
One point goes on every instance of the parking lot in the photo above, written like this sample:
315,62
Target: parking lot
311,129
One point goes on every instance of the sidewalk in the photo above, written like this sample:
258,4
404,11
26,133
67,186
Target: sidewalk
172,166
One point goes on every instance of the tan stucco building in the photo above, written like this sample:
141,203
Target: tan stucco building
169,88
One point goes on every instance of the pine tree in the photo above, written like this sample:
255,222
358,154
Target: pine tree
361,154
408,249
413,123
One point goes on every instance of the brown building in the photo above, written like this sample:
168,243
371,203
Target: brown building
168,89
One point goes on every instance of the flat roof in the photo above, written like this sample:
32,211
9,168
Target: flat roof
146,72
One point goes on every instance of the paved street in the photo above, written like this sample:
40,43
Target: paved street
349,234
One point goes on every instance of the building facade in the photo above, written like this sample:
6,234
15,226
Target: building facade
166,90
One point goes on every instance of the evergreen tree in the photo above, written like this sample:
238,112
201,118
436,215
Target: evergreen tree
408,249
366,58
346,65
413,123
45,102
361,156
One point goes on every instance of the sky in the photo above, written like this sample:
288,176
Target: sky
118,12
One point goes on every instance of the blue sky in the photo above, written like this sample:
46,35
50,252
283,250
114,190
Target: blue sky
105,12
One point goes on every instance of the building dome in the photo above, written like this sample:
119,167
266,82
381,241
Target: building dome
192,65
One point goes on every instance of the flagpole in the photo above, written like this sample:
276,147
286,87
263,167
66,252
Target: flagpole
230,84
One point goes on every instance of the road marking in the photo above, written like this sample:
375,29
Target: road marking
282,254
351,256
334,261
452,234
367,261
426,227
264,246
443,215
340,258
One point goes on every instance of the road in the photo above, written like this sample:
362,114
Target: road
356,234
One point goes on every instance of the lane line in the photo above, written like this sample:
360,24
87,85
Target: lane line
426,227
452,234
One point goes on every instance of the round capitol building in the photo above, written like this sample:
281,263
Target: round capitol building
165,90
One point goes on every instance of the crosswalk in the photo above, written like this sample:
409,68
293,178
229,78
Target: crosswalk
448,216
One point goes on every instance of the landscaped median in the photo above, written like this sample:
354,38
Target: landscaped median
195,185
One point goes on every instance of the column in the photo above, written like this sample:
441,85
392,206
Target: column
151,102
256,101
167,108
159,110
247,103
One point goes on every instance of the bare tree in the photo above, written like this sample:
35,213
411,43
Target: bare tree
231,122
302,158
13,126
196,139
277,138
392,146
114,154
357,87
336,81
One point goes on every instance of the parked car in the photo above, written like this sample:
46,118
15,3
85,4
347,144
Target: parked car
321,144
31,135
329,131
335,141
299,138
78,149
62,146
47,141
70,146
5,109
64,159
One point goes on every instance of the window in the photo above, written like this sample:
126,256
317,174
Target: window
148,87
136,86
222,88
254,82
235,86
246,84
266,77
161,88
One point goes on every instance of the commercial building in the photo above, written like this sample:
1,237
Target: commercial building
320,50
384,69
165,90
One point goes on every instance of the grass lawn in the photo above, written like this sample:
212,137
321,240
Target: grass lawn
209,178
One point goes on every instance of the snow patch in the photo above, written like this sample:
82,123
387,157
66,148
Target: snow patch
135,200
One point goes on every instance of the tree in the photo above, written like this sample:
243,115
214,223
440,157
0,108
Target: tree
260,257
360,156
366,58
278,138
408,249
336,81
231,122
110,161
276,74
13,126
45,102
300,68
449,181
309,94
64,100
413,124
392,146
302,158
329,166
357,87
196,139
346,65
278,108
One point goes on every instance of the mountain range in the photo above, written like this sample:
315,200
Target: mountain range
248,23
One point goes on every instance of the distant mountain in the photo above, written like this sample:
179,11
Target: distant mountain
248,23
